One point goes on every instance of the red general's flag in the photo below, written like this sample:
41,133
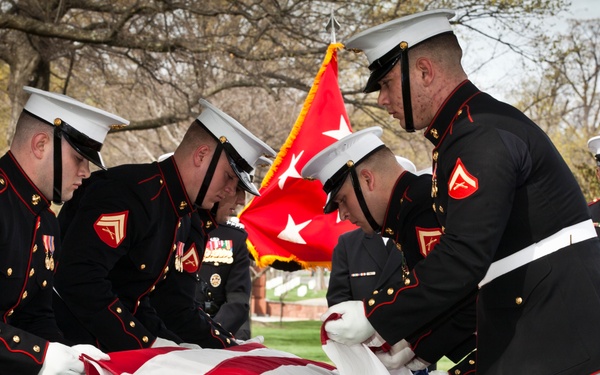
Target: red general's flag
286,225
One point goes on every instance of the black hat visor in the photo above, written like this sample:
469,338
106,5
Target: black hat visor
381,67
84,145
241,168
332,188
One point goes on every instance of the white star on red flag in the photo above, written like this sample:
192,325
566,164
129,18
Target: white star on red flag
292,231
291,171
343,131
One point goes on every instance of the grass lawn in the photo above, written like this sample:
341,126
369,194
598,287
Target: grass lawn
303,339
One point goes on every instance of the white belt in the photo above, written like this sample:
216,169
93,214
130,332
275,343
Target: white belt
563,238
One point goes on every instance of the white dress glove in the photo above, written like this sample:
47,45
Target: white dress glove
375,341
64,360
91,351
352,327
417,364
399,355
160,342
256,339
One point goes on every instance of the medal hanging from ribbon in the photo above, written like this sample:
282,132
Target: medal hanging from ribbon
405,270
49,249
178,256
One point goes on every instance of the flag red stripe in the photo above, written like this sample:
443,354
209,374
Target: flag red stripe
250,365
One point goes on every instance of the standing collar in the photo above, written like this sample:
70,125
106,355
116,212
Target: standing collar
445,116
175,187
11,173
403,182
207,221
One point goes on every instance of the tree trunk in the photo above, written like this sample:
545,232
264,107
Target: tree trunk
26,69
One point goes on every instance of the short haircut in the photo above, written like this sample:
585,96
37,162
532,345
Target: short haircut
443,49
27,126
379,161
195,136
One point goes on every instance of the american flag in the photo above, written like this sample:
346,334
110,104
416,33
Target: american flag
246,359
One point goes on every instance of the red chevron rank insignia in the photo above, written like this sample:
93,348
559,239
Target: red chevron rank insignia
461,184
190,260
112,228
428,238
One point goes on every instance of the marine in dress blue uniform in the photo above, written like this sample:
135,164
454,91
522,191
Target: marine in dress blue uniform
224,278
175,299
357,262
126,232
362,264
171,301
29,232
514,220
132,219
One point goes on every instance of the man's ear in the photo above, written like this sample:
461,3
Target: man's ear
200,154
425,70
40,144
369,178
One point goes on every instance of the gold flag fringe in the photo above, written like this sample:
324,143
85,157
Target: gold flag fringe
300,121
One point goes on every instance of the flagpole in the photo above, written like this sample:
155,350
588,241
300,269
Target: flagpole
331,26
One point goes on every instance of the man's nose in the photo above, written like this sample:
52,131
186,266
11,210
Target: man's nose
85,169
382,99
